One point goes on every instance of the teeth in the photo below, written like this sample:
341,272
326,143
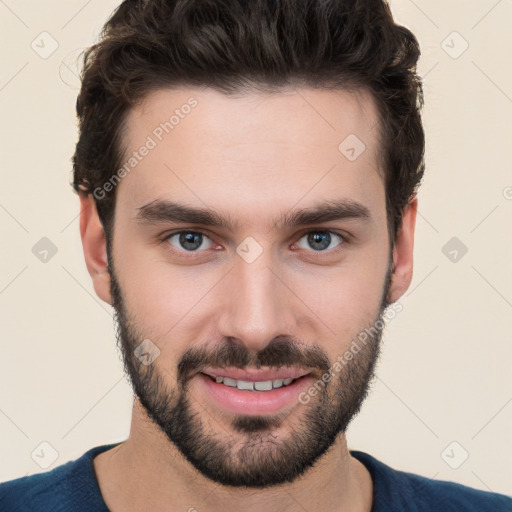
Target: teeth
241,384
266,385
263,386
229,382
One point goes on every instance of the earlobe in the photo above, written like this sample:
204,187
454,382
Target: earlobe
94,247
403,252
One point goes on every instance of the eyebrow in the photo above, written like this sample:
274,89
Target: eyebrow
161,211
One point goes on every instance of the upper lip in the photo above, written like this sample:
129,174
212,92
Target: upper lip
257,375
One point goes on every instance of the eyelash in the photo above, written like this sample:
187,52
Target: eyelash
192,254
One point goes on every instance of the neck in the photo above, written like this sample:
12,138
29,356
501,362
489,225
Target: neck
147,472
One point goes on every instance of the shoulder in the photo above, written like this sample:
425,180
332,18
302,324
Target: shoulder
70,486
400,490
28,492
454,497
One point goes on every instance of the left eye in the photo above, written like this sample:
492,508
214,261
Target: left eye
189,240
320,240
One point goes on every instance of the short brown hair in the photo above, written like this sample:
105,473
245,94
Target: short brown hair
261,45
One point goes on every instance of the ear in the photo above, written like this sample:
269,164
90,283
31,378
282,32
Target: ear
95,247
403,252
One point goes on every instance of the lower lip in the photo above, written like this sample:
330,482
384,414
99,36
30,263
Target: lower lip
253,403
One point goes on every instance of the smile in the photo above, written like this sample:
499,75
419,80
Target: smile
264,385
252,397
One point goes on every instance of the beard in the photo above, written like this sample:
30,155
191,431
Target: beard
250,453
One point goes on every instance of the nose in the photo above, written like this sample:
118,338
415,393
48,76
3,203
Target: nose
257,304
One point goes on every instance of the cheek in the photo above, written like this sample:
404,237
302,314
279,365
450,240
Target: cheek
163,301
178,304
161,298
345,299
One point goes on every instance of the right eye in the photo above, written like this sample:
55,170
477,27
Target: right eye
187,241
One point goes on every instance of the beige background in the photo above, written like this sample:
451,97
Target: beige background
445,370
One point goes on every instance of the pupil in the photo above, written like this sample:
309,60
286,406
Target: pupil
324,239
190,241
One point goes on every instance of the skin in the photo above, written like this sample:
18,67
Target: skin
253,156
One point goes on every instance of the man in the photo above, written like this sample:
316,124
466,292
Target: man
247,173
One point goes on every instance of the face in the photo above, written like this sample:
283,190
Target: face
292,263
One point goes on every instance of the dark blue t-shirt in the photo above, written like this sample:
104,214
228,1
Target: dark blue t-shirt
72,487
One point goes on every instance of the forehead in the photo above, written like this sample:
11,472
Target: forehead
252,152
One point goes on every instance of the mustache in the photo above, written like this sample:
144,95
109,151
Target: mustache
281,351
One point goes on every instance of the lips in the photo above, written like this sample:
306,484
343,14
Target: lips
242,400
256,375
